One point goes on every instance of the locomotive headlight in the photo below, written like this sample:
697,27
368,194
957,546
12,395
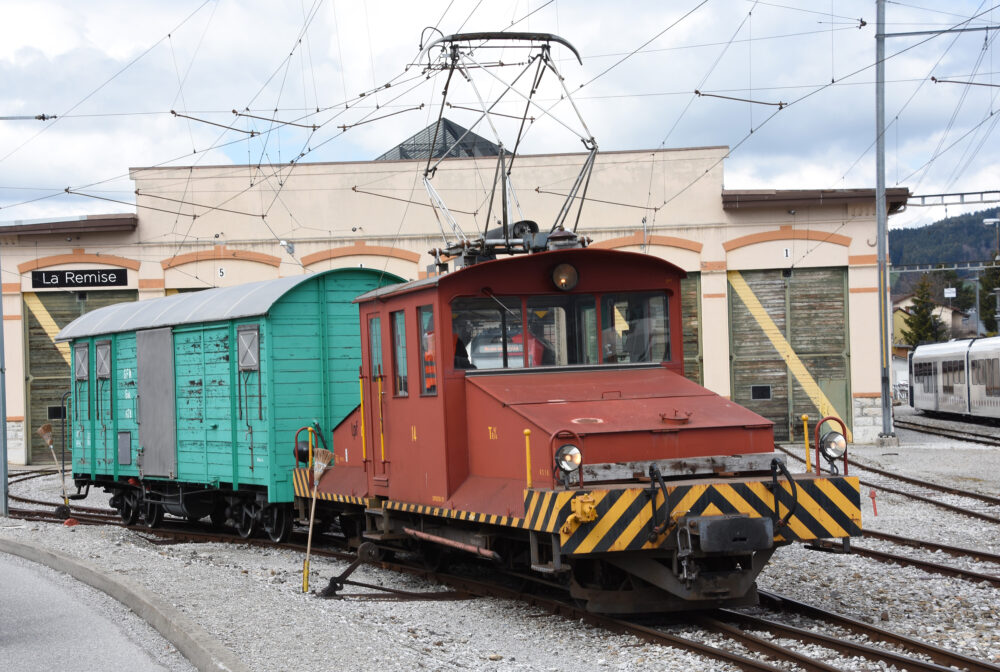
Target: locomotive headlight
565,277
833,445
568,458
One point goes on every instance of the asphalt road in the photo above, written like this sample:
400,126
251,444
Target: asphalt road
48,622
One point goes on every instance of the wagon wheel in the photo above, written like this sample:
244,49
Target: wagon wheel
152,513
277,520
129,509
218,515
246,521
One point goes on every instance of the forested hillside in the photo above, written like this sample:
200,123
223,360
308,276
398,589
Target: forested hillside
955,239
960,238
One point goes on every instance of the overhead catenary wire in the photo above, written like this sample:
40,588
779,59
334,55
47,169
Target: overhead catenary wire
954,114
794,102
645,44
195,175
55,119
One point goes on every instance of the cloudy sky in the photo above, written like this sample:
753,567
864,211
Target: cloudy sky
113,71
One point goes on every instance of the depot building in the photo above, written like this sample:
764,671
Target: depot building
780,302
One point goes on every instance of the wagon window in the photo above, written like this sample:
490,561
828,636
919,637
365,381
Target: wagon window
82,369
103,363
428,366
487,333
375,345
993,378
399,378
248,347
635,327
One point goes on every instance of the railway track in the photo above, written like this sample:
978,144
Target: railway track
740,638
932,566
948,432
966,502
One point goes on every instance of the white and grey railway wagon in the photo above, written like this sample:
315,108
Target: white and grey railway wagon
957,377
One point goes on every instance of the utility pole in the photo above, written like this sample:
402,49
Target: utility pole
887,435
979,320
996,312
4,510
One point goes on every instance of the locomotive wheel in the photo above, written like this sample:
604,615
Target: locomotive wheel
129,509
152,513
433,556
277,520
246,521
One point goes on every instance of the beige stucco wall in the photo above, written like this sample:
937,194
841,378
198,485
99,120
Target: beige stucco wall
202,227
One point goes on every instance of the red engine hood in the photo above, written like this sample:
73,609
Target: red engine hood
615,400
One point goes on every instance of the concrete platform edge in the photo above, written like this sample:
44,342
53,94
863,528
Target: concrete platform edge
204,652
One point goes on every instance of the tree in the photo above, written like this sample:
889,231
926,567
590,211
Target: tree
988,281
922,325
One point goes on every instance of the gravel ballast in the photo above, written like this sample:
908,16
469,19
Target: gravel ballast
251,598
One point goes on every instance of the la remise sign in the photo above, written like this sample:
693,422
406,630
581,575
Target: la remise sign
73,279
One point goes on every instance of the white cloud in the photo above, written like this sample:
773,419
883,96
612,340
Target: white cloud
233,54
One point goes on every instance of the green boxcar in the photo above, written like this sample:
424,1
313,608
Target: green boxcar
189,404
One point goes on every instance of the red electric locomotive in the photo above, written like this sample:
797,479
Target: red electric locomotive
533,410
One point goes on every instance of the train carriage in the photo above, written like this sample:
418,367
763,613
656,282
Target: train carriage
938,378
181,404
958,377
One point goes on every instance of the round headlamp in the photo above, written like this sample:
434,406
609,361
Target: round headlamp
833,445
568,458
565,277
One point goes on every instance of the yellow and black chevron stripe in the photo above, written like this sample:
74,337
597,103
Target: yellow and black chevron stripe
300,480
827,508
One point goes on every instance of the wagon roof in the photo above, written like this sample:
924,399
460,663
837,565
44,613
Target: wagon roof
209,305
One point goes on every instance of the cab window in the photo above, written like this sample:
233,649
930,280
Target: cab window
375,345
562,330
428,367
635,327
487,333
497,332
399,378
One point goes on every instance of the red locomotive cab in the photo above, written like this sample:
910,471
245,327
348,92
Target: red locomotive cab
579,346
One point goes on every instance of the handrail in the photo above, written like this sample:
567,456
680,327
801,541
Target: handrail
843,432
295,451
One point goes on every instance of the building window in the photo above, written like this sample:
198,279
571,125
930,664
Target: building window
760,392
399,378
428,366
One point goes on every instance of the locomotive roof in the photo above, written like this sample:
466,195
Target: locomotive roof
611,256
209,305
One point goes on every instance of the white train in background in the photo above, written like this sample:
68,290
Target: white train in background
961,377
